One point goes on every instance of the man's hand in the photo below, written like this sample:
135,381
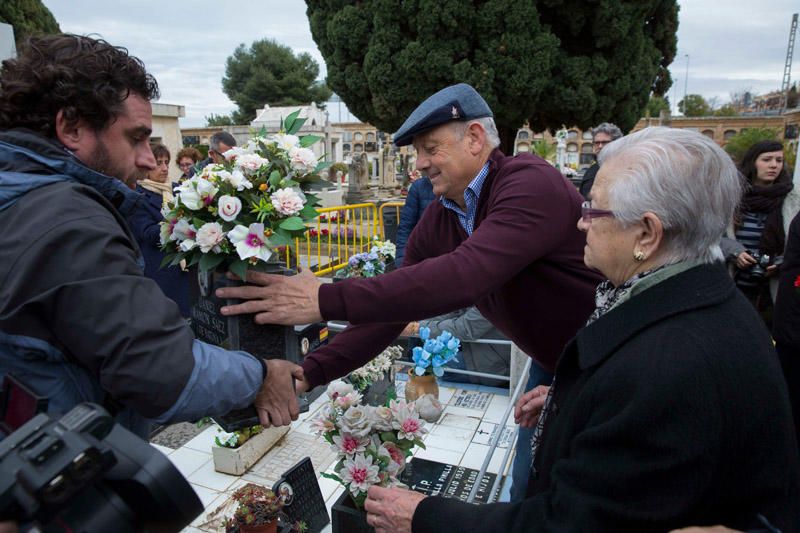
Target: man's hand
391,510
275,299
411,330
276,402
529,406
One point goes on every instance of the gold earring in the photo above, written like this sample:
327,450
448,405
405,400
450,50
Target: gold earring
638,256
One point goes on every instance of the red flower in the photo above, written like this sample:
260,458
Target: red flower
797,282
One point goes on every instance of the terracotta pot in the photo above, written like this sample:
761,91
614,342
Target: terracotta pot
419,385
271,527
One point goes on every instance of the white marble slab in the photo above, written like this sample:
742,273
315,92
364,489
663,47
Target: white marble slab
187,460
206,476
459,421
204,440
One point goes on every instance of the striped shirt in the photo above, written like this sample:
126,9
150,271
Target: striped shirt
749,235
471,195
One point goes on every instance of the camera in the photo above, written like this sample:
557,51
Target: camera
759,270
83,472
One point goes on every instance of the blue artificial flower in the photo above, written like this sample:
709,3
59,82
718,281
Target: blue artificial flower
453,344
424,332
368,267
445,336
353,261
372,256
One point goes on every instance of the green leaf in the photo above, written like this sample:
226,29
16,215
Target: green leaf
167,259
322,165
308,140
239,267
288,123
296,125
308,212
195,259
279,239
198,223
333,477
292,224
210,261
275,179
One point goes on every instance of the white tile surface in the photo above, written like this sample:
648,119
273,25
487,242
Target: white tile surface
445,394
162,449
210,509
188,460
206,476
328,487
459,421
449,438
204,440
495,413
475,455
442,456
463,411
205,494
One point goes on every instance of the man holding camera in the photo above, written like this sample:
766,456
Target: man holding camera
78,320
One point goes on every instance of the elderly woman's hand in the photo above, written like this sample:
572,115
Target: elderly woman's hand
391,510
744,261
529,406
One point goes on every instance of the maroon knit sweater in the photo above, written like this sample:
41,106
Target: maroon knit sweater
522,266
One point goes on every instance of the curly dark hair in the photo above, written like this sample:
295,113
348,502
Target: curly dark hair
87,78
748,165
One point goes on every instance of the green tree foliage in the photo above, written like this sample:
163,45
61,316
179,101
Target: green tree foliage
742,141
727,110
551,62
656,105
27,17
269,73
545,150
792,97
694,105
219,120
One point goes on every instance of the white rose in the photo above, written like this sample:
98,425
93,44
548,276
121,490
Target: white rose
234,153
182,230
229,207
287,202
285,141
249,163
356,421
382,418
209,236
303,159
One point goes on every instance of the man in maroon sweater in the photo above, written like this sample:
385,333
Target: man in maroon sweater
503,237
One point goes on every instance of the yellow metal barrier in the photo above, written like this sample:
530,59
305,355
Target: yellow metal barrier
334,236
397,207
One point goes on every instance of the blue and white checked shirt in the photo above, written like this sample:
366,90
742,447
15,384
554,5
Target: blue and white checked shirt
471,194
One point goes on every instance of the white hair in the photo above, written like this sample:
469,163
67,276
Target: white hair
488,125
685,179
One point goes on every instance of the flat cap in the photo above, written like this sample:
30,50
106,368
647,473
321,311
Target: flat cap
457,102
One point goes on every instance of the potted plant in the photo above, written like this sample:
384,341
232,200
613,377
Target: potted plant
378,260
375,380
372,444
234,453
258,510
233,216
429,362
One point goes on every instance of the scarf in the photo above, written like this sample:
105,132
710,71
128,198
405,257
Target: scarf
769,199
164,189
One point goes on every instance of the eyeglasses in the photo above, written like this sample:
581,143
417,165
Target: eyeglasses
600,143
588,212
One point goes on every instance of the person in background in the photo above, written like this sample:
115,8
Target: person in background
420,195
668,409
78,319
218,144
602,135
145,223
186,159
470,325
786,318
759,224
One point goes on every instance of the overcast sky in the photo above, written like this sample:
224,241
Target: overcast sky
732,44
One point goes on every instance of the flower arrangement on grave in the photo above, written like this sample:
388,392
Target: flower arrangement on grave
258,510
429,362
376,370
236,214
373,443
372,263
237,438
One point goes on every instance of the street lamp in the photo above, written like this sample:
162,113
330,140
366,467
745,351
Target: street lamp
686,81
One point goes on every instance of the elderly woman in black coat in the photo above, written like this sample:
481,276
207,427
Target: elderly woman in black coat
669,408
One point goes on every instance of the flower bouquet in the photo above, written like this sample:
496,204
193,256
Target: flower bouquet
369,264
235,214
375,380
372,442
429,362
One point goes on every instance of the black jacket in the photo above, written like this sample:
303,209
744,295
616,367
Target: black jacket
670,411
